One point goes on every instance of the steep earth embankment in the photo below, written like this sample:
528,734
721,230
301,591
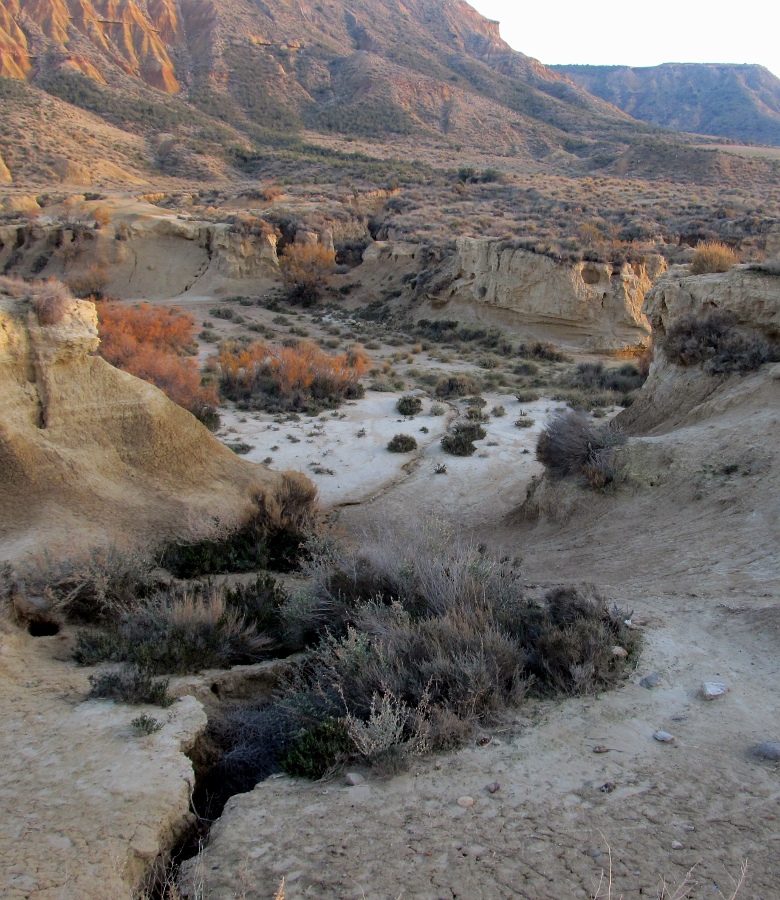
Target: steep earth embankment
143,253
90,454
589,304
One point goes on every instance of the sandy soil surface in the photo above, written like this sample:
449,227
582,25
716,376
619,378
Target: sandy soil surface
349,469
86,803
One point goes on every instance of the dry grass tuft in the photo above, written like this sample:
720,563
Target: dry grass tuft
712,256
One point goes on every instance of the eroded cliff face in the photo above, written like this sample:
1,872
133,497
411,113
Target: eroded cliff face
673,395
596,301
92,455
134,36
143,256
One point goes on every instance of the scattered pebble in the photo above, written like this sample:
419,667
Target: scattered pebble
466,802
664,737
493,788
651,681
620,652
353,779
712,689
676,845
768,750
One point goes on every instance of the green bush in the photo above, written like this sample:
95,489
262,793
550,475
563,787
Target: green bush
317,750
460,440
402,443
409,405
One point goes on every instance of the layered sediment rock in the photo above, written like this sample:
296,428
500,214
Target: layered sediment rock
90,454
599,302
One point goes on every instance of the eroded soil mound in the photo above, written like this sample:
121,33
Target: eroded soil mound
90,454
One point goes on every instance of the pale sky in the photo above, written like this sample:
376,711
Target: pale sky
616,32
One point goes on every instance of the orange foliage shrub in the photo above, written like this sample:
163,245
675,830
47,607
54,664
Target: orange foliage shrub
305,269
153,343
300,377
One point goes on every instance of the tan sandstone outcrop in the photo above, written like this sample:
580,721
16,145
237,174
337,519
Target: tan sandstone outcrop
5,173
150,256
90,454
672,393
596,302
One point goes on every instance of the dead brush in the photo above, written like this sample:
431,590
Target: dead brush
98,586
177,631
50,299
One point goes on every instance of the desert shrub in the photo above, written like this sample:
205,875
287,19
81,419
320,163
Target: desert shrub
90,282
712,256
177,632
475,414
95,587
596,377
302,377
526,368
571,444
416,637
154,343
460,440
437,409
527,396
767,267
273,536
716,342
456,386
146,724
409,405
525,422
305,269
498,411
402,443
132,686
543,351
317,750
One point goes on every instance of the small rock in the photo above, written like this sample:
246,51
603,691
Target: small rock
651,681
664,737
596,854
676,845
600,748
466,802
496,742
484,741
687,828
608,787
493,788
712,689
620,652
353,779
769,750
